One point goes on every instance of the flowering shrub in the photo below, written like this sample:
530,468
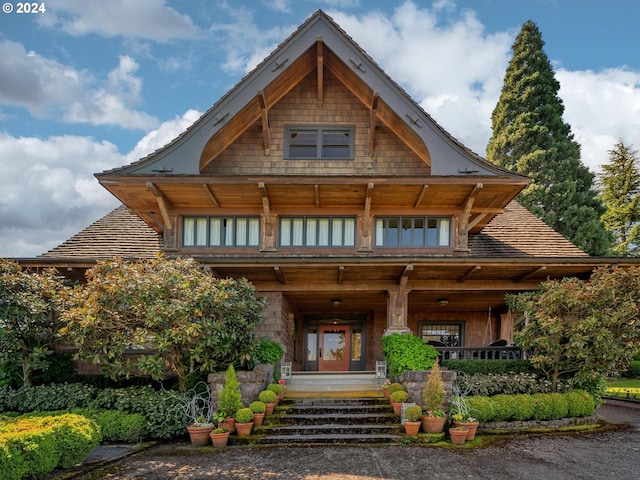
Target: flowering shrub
435,413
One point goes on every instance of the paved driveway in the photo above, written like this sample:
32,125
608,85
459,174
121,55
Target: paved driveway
612,454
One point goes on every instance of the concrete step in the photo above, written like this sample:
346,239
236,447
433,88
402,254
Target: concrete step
306,384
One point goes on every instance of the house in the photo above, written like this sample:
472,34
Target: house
347,206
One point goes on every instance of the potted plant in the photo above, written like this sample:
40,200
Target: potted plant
229,399
259,410
385,388
268,397
412,419
244,421
219,437
198,409
458,434
461,414
277,389
282,383
393,387
433,394
397,399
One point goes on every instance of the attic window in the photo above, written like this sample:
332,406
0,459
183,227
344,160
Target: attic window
330,142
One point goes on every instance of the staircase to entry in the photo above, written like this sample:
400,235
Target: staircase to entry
321,408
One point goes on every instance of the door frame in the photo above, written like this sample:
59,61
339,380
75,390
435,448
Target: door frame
310,334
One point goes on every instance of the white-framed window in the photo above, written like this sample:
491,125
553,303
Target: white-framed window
314,142
220,231
450,334
413,232
317,232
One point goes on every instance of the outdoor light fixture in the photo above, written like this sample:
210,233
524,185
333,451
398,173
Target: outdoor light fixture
443,301
336,302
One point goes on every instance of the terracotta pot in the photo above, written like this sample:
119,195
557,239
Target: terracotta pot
471,427
458,436
397,407
432,424
219,440
270,407
199,435
244,429
258,419
229,423
386,392
411,428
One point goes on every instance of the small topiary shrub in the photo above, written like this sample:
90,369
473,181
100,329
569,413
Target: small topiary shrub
400,396
413,413
433,392
267,351
275,388
267,396
394,387
244,415
258,407
230,398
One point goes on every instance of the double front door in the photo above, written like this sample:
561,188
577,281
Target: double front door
334,346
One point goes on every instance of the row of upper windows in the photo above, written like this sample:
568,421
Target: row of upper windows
310,232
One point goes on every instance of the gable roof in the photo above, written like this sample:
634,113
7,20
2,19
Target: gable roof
187,153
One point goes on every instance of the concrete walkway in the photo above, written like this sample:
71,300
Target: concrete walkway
611,454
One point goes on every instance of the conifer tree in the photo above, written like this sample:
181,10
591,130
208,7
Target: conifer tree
620,194
530,137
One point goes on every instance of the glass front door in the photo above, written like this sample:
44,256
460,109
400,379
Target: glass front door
334,348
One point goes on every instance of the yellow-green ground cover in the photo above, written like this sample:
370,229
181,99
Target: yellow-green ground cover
624,389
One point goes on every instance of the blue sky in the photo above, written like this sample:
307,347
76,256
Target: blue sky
95,84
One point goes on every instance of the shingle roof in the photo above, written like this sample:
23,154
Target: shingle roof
119,233
516,233
519,233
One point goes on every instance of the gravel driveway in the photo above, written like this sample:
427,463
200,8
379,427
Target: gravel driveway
612,454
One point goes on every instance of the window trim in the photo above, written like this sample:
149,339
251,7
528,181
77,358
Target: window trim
319,144
331,230
223,239
432,323
384,229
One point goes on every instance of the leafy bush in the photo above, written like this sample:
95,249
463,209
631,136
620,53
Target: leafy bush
406,352
634,370
479,407
258,407
474,367
510,384
118,426
394,387
267,351
275,388
267,396
504,407
400,396
244,415
580,403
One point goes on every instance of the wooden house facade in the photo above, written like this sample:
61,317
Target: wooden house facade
323,183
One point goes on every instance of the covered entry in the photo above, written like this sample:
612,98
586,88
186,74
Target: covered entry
334,343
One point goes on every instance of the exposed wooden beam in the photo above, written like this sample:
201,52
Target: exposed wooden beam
423,192
477,220
279,275
163,204
469,272
320,70
340,274
266,131
266,208
212,196
462,239
405,273
372,123
530,274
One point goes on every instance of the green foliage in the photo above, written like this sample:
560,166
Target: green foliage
413,413
230,398
406,352
584,329
580,403
35,446
267,396
244,415
433,392
117,426
510,384
183,317
258,407
479,407
530,137
28,324
471,367
400,396
275,388
634,369
620,194
394,387
267,351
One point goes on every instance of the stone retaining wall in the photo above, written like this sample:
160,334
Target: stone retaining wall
414,381
251,382
527,424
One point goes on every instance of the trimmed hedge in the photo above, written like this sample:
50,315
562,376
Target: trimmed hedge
539,406
34,446
406,352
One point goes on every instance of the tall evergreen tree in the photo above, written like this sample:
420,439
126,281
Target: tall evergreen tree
530,137
620,185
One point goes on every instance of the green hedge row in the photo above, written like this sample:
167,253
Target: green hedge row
160,409
634,370
538,406
32,447
475,367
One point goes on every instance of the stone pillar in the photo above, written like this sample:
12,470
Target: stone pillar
397,308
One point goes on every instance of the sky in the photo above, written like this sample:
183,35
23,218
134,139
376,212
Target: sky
87,86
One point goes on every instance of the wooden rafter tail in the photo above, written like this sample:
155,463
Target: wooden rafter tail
163,204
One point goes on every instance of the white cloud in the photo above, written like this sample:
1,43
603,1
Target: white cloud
147,19
49,89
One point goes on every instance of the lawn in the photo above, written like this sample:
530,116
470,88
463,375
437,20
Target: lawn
624,388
